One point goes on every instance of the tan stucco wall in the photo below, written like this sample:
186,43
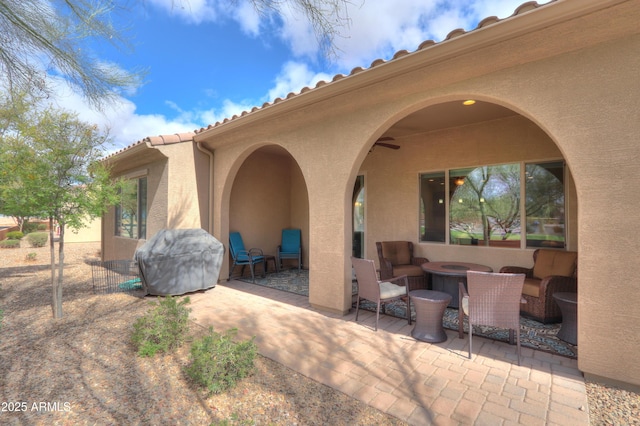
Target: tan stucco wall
575,81
177,196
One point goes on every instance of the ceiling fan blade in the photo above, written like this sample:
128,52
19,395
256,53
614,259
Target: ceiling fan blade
386,138
387,145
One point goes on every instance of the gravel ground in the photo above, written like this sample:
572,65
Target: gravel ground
82,369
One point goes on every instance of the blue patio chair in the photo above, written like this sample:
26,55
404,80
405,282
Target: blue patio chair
290,247
243,257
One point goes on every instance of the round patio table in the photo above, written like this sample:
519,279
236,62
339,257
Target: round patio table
447,275
568,303
429,306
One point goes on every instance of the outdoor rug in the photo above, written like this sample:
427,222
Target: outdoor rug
533,334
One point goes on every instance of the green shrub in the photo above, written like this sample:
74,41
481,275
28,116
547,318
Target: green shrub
29,227
38,239
42,227
218,363
14,235
163,328
31,257
10,244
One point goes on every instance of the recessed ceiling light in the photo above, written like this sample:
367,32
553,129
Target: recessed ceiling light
469,102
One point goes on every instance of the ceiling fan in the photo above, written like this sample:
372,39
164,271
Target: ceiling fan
382,142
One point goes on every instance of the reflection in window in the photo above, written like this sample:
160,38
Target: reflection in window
544,205
432,207
484,205
131,213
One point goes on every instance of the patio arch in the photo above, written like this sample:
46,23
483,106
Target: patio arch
264,191
504,111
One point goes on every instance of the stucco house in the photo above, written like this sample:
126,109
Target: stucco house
556,89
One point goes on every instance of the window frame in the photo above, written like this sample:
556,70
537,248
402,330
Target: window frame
141,209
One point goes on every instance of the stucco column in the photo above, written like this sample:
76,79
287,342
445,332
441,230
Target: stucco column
330,243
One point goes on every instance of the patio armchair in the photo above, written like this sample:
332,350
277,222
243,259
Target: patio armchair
491,299
290,247
243,257
379,292
396,259
553,271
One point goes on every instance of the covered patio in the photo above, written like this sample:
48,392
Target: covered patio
534,335
416,382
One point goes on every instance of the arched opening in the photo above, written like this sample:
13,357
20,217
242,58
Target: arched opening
268,195
528,200
484,187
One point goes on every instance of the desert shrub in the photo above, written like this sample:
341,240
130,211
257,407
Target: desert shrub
10,244
14,235
31,257
163,328
38,239
29,227
218,362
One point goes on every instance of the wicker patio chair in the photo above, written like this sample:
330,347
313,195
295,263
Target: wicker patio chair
396,259
492,299
380,292
553,271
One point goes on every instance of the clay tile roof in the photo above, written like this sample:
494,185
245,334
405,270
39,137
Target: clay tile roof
525,7
157,140
169,139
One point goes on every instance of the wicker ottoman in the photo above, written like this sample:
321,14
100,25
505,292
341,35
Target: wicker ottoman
568,303
429,306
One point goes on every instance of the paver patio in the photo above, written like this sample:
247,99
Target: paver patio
418,382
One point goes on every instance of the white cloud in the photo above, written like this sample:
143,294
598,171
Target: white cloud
381,28
125,126
192,11
378,28
293,77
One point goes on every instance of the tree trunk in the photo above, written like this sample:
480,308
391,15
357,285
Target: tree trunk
58,291
56,301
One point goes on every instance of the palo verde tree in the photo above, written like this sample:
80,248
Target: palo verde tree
50,163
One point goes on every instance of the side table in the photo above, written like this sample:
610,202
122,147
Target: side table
568,303
270,258
429,306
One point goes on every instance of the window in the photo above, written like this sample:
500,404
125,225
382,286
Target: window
544,206
484,205
433,214
131,213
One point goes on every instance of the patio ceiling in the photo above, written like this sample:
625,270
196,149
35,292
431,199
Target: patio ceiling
447,115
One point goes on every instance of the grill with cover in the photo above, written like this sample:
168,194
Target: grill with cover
179,261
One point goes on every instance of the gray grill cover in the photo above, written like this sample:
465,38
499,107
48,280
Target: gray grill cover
178,261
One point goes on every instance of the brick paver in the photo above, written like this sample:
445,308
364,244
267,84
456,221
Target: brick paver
417,382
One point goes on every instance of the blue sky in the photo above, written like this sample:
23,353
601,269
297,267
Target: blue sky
207,60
